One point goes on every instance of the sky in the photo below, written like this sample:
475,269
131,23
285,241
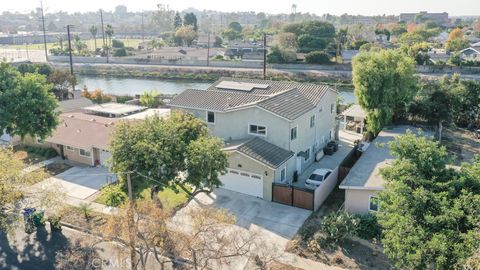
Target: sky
319,7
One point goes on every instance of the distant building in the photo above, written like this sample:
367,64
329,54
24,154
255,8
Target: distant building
121,9
347,55
471,53
439,18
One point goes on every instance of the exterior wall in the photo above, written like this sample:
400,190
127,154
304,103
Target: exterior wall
75,155
357,201
70,155
291,168
235,160
234,125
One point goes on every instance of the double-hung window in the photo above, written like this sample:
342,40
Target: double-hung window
374,204
211,117
293,133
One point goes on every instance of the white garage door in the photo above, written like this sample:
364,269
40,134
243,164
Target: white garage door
243,182
104,156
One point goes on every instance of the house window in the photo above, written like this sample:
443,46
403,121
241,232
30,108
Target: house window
85,153
307,154
69,148
293,133
211,117
374,204
257,130
283,175
331,108
312,121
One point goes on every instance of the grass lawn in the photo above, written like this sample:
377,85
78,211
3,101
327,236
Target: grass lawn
168,197
90,43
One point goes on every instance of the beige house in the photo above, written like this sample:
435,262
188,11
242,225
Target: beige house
290,120
364,180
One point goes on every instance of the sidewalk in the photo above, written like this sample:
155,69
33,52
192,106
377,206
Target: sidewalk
41,164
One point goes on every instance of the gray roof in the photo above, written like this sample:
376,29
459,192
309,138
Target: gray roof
290,104
365,174
75,104
287,99
265,152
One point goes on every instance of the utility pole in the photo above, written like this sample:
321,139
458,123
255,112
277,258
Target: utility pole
131,214
208,50
143,31
70,48
44,33
103,33
26,49
264,56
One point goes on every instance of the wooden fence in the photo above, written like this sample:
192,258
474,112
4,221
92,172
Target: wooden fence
293,196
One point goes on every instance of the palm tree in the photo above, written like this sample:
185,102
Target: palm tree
93,30
109,33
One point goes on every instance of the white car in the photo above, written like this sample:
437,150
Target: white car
318,176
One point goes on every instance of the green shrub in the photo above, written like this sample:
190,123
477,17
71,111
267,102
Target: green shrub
281,56
117,44
368,227
124,98
120,52
336,226
317,58
114,195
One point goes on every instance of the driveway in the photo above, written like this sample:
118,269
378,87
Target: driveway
80,182
277,223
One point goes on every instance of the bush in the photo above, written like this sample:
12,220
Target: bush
218,57
114,195
281,56
317,58
337,226
117,44
124,98
120,52
368,227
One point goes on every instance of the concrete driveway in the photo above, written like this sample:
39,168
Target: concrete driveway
79,182
278,223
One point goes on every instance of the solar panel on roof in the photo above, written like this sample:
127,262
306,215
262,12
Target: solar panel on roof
240,86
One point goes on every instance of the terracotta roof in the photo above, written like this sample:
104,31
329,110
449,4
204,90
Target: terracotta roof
79,132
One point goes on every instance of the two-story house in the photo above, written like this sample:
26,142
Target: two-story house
272,129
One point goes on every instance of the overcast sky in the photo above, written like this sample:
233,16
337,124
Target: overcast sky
336,7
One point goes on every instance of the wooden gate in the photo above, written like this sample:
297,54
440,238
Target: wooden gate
293,196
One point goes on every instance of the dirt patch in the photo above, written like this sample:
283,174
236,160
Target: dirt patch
76,217
353,253
461,144
57,168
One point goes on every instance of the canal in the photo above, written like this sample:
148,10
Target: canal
134,86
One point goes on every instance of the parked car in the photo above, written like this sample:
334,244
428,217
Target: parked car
318,176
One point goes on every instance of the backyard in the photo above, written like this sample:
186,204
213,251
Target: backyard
32,154
353,253
461,144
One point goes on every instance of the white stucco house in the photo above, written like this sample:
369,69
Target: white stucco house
272,129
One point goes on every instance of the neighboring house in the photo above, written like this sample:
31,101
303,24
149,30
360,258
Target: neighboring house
471,53
83,134
354,119
288,121
347,55
438,55
364,182
239,49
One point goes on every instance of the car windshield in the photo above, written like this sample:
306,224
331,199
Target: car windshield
316,177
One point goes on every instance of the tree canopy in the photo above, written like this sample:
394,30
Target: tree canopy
312,35
190,19
27,105
429,211
176,152
385,84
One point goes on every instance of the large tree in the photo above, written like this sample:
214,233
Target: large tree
312,35
190,19
429,211
185,35
27,105
385,84
93,31
168,152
